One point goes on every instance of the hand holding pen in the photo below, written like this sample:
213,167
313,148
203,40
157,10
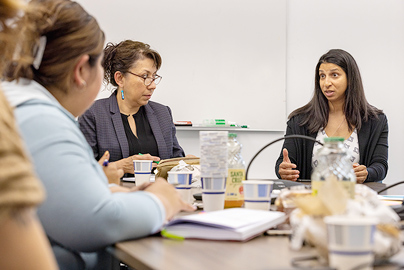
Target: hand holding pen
111,170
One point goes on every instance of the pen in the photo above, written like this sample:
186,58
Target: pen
105,163
157,162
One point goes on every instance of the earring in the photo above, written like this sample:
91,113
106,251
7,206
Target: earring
83,83
122,95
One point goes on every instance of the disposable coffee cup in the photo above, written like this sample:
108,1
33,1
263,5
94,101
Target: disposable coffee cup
142,170
182,182
257,194
213,192
350,242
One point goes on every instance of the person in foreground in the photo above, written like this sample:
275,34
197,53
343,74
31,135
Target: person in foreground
338,109
23,243
128,123
81,216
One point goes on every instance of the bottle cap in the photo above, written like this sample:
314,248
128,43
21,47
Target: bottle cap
334,139
231,135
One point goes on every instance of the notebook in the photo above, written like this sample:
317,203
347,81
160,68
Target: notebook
234,224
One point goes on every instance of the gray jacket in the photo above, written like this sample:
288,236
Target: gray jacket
103,128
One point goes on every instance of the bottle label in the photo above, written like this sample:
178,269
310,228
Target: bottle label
234,185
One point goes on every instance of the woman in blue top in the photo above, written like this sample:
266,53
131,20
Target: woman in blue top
81,216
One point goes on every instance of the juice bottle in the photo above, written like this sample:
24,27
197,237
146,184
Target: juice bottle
234,196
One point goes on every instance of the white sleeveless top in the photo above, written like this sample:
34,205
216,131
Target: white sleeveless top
352,144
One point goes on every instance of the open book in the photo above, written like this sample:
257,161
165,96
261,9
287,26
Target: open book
236,224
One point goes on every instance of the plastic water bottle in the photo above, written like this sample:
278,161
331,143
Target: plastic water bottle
234,196
334,162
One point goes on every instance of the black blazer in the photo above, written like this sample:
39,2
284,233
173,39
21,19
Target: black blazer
103,128
373,148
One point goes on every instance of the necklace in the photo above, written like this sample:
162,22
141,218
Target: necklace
343,120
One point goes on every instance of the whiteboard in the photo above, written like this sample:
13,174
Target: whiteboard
222,59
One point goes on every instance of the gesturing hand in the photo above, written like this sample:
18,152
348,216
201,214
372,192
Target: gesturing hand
361,173
286,168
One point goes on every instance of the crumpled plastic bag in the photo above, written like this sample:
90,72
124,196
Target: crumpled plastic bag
308,225
184,167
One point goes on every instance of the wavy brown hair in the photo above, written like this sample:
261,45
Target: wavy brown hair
70,32
124,55
356,108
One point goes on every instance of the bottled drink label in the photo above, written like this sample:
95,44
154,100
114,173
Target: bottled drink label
234,185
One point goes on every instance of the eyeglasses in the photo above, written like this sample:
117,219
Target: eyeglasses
148,80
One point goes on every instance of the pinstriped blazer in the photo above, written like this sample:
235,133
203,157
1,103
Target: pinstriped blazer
103,128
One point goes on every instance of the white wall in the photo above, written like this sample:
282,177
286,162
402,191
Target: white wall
216,54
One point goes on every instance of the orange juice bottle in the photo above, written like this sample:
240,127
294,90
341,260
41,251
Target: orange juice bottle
234,196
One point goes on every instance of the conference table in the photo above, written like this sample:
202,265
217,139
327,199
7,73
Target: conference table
262,252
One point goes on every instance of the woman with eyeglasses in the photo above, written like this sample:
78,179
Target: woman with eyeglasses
127,123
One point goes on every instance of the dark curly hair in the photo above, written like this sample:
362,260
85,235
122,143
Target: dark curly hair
123,56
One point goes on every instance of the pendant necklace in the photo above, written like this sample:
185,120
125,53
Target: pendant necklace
338,127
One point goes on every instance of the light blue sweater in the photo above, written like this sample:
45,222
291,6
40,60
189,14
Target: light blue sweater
80,212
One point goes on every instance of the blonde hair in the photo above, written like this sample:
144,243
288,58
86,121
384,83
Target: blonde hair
70,33
9,9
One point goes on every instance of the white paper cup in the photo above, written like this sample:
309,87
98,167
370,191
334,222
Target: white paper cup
350,241
180,178
185,193
142,170
257,194
213,191
182,182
